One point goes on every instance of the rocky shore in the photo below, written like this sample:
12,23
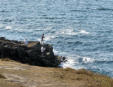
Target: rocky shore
30,53
16,74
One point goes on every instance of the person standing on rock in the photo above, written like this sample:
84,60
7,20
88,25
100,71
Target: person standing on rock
42,39
42,45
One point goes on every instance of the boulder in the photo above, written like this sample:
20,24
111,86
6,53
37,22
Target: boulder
30,53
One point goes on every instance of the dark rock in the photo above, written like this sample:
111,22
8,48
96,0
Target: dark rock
30,53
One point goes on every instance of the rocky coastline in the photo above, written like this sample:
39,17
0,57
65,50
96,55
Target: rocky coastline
28,53
16,59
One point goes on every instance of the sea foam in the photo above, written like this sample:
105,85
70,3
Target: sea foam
69,63
87,60
83,32
68,31
8,27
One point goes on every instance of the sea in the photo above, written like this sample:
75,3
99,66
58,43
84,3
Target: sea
80,30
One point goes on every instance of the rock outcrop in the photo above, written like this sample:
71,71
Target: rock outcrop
30,53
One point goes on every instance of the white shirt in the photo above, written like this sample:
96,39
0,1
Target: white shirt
42,49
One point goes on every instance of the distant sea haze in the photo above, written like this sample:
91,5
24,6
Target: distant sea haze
81,30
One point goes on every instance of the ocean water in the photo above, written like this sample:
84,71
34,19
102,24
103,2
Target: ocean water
81,30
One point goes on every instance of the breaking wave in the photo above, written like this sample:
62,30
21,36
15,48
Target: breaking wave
83,32
64,32
69,63
69,31
8,27
86,60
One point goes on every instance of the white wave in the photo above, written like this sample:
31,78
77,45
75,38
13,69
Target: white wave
83,32
55,51
8,27
49,37
69,63
69,31
87,60
73,60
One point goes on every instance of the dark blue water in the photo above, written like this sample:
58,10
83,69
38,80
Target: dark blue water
82,30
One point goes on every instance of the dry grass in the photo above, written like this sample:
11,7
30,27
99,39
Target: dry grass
85,72
103,81
89,78
34,76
